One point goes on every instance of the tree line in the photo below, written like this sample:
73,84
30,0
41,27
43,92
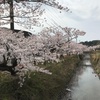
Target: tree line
91,43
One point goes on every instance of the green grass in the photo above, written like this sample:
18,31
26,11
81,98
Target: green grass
40,86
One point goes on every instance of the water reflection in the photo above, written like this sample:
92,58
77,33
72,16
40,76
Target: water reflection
88,87
86,62
85,84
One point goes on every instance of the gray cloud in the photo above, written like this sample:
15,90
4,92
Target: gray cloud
85,8
87,15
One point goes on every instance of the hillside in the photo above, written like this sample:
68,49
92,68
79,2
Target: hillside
91,43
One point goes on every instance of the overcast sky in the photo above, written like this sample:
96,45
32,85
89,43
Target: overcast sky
85,16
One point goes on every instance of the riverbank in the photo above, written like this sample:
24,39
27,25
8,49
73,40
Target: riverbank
95,59
40,86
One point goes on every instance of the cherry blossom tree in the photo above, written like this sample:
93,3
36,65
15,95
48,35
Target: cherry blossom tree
58,40
24,12
20,55
34,49
93,48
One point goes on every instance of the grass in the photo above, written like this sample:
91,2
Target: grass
40,86
95,59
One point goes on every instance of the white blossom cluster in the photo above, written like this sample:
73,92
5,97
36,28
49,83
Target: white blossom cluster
26,14
93,48
48,46
62,40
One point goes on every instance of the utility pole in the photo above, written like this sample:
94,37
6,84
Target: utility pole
11,14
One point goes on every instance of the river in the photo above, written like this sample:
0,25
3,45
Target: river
85,84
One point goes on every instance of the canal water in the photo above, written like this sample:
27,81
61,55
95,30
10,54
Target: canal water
85,85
